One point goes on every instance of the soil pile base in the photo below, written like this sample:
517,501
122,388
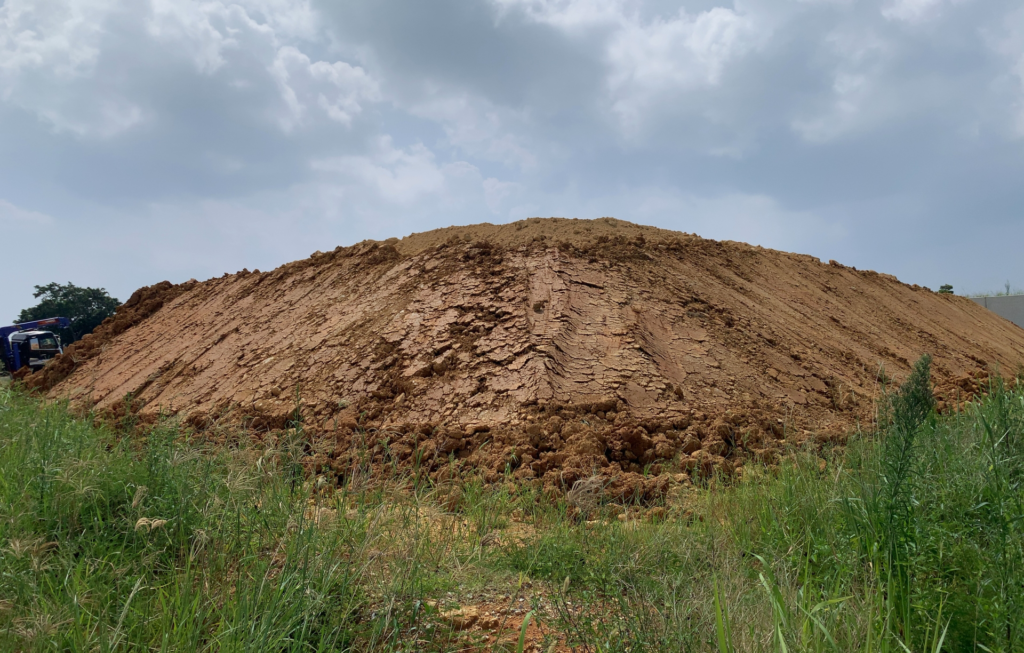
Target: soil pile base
553,349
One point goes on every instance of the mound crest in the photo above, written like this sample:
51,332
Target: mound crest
553,349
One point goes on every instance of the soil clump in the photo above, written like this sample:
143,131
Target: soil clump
551,350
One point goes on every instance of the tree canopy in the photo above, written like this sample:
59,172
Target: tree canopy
86,308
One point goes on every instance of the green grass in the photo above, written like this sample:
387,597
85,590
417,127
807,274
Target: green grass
911,539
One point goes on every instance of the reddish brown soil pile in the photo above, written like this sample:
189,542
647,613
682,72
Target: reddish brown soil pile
554,348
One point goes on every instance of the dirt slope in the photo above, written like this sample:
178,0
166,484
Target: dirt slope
550,347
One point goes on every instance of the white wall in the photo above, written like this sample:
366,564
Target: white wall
1010,307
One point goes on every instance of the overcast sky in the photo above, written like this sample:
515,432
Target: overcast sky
145,140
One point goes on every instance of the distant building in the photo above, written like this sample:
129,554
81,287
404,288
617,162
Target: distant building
1009,306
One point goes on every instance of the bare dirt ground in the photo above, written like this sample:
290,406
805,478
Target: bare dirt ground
552,348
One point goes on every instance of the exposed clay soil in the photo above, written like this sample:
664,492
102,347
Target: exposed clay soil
554,348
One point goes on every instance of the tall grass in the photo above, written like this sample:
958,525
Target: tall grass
911,539
155,543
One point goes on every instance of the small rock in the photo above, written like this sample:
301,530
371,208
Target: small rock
690,445
715,447
461,619
473,429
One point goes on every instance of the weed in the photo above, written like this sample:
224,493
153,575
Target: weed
912,541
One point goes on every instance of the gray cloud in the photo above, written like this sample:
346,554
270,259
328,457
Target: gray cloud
176,138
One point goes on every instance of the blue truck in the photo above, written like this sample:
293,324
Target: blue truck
30,344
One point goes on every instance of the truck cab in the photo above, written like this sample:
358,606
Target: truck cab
35,348
28,345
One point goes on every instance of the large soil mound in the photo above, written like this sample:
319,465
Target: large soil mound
554,348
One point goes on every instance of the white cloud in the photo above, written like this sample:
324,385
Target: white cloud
851,95
395,175
60,37
269,32
206,29
290,19
190,26
861,96
650,60
51,56
664,57
339,88
1008,45
911,11
15,215
684,51
397,183
497,193
568,14
49,50
478,128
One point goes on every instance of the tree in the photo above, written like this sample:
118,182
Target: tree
85,307
945,289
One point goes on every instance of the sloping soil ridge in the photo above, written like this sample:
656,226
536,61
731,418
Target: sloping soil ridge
550,349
